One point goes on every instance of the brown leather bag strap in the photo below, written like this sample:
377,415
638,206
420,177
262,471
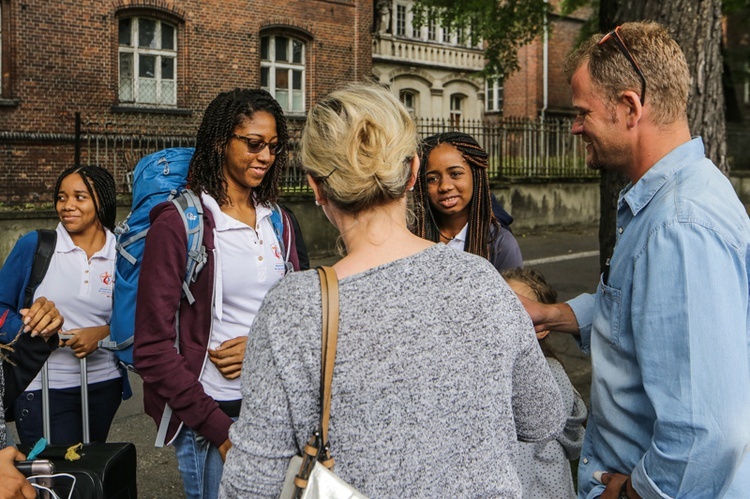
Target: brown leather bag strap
329,286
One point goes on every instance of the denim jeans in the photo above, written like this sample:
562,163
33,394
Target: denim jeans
200,465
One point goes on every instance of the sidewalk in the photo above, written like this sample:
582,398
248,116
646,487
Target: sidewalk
569,260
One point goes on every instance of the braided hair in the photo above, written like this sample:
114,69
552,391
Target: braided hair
480,211
101,186
227,111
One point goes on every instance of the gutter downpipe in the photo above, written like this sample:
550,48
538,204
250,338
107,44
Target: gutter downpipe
545,67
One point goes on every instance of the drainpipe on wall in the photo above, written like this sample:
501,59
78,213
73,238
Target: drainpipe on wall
545,64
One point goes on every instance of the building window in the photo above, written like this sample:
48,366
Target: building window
409,99
401,20
457,103
148,61
1,48
446,35
282,71
431,30
494,93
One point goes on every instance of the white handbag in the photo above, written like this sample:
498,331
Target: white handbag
310,475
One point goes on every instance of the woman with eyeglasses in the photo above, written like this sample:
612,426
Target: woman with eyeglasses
240,154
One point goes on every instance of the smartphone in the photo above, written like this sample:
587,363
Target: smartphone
36,467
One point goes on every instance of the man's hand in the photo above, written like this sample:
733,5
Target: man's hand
228,356
555,317
85,340
42,318
13,485
619,486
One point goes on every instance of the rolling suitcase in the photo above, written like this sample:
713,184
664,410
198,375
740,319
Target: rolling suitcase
104,470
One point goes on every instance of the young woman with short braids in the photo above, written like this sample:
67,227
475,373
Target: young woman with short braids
80,281
452,200
436,374
240,153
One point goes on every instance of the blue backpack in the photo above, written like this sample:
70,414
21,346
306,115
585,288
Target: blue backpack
158,177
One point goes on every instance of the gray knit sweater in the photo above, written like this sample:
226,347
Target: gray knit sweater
437,372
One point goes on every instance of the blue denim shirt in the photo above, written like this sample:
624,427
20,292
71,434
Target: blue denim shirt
669,339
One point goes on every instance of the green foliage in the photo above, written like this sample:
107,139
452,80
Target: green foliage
503,26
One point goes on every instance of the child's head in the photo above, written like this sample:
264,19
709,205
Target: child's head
531,284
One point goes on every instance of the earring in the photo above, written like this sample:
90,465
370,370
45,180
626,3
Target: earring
317,203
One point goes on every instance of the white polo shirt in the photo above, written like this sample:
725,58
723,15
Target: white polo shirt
82,291
248,262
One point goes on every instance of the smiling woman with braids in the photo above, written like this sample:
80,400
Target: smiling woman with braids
452,200
79,280
240,153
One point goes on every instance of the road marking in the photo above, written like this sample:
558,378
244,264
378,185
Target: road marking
561,258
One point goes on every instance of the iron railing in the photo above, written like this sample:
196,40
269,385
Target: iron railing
517,147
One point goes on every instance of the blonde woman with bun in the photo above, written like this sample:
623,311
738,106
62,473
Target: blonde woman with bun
436,374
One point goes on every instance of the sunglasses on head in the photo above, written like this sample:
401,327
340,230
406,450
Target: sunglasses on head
255,145
615,35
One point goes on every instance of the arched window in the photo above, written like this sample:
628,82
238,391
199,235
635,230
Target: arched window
147,61
409,99
282,70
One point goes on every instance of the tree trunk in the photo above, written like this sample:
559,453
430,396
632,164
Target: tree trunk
696,25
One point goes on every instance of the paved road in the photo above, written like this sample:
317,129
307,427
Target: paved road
568,259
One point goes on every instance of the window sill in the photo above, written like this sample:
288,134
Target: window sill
9,102
151,110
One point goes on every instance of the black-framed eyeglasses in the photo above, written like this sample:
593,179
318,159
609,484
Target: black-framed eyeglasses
615,35
255,146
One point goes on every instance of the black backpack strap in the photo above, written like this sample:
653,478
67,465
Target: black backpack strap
45,248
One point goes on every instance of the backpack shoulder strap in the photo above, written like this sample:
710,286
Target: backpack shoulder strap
45,247
190,208
280,226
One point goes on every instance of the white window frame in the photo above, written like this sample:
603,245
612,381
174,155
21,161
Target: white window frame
456,108
272,64
493,91
409,94
159,53
1,48
432,30
401,20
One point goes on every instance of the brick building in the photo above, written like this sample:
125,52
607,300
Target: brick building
148,68
540,86
435,71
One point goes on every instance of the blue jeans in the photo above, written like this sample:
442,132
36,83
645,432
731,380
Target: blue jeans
200,464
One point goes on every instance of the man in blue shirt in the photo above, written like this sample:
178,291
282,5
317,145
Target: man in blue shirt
668,326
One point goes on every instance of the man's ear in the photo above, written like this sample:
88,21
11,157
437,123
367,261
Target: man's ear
632,102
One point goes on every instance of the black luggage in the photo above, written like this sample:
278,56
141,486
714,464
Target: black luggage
105,470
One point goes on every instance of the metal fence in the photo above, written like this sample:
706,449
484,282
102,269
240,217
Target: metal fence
517,148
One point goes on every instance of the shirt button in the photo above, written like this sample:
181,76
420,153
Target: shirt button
85,282
260,258
585,461
261,241
619,230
